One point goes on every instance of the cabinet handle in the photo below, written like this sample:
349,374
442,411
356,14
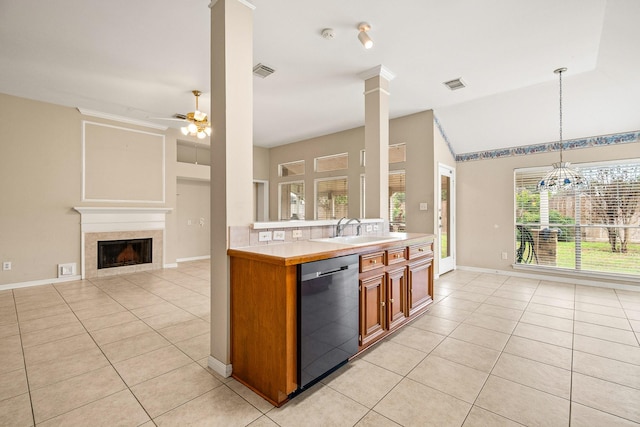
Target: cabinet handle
396,256
420,249
382,303
373,261
391,300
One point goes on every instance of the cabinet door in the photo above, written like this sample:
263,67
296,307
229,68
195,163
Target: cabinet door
420,286
397,310
372,313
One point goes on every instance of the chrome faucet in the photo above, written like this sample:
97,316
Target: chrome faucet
340,227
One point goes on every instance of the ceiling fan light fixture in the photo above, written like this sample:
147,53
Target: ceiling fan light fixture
364,38
199,125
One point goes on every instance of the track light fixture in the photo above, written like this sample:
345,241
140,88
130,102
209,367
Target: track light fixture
364,38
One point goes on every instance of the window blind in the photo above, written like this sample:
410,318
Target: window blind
597,229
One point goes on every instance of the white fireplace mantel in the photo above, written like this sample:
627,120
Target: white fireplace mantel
104,219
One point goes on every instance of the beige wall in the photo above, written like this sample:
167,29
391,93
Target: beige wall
350,141
485,201
41,176
416,131
261,163
193,219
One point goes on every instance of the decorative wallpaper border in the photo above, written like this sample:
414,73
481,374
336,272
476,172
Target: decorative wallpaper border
444,135
573,144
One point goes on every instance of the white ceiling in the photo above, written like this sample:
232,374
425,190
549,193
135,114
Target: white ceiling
142,58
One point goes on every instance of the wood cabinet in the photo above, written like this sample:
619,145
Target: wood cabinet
395,285
395,281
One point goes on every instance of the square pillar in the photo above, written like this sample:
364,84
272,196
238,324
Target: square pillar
231,156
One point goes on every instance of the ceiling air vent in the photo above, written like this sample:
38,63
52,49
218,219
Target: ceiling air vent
262,71
455,84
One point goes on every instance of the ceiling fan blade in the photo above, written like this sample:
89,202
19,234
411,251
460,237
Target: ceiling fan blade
168,118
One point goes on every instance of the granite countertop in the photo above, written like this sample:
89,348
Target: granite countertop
301,251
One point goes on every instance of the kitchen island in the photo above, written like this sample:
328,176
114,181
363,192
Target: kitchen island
395,284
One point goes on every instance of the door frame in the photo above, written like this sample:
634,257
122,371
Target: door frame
446,264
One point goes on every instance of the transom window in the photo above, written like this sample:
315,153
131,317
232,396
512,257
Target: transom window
332,163
291,168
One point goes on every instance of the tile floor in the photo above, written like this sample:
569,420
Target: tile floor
493,350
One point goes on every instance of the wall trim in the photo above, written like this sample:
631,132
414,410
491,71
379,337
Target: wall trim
549,147
120,119
556,278
444,135
40,282
193,258
219,367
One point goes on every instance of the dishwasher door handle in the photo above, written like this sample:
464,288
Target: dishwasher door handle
327,273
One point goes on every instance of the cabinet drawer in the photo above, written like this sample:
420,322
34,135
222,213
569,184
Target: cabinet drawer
421,250
371,261
395,256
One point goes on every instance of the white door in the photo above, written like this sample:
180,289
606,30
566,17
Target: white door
446,219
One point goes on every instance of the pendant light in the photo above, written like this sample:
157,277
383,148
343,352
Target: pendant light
562,177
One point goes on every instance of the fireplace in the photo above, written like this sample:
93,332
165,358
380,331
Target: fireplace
121,226
120,253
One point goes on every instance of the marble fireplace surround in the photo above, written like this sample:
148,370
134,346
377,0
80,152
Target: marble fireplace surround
117,223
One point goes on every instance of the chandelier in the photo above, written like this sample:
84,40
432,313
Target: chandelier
199,125
562,177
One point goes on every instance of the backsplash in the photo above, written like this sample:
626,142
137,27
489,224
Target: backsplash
241,236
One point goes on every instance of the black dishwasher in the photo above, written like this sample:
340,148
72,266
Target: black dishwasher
327,316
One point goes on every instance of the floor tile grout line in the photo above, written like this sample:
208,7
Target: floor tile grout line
118,373
493,367
24,361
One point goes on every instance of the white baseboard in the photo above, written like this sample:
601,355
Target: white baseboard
193,258
172,265
52,281
554,277
219,367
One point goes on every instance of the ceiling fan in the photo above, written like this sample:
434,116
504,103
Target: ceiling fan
198,122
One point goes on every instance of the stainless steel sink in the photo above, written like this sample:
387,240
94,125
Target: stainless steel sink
357,240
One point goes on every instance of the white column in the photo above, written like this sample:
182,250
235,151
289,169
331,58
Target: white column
231,156
376,141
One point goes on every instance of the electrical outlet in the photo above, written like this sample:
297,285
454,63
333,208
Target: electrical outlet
375,227
369,228
278,235
6,266
296,234
505,255
424,206
264,236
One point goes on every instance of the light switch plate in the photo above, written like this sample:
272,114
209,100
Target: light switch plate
264,236
278,235
6,266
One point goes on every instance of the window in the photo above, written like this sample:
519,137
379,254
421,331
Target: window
332,200
291,197
397,214
332,163
596,230
291,168
397,153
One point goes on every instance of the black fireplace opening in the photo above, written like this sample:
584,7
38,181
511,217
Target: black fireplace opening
119,253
